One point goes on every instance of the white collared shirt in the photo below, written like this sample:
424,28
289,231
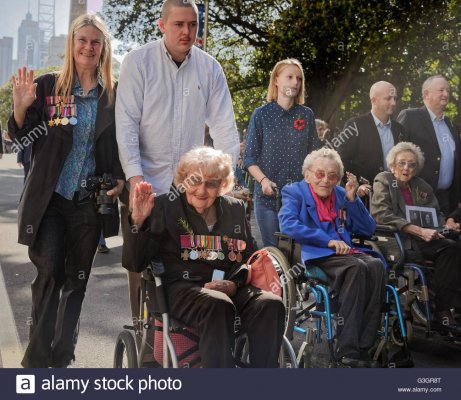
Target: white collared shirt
447,151
385,135
161,111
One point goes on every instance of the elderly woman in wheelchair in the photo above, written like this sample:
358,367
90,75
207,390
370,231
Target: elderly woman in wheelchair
321,215
203,238
407,203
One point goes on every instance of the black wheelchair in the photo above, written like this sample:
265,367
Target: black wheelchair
156,340
310,310
411,275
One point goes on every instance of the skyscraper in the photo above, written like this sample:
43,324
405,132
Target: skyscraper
6,59
77,7
29,43
56,47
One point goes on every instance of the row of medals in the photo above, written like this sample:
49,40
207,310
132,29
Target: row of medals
63,104
212,255
62,121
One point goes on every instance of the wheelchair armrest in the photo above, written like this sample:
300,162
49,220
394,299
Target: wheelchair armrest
386,228
362,238
157,268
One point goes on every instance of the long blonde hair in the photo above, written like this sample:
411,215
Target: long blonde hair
65,79
272,92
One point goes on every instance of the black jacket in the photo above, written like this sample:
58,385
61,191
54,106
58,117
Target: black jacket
418,124
50,148
361,152
159,239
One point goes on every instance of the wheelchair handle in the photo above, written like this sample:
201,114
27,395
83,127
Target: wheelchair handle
386,228
278,199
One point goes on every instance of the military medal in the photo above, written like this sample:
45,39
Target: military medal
232,256
65,121
241,245
193,255
185,255
239,257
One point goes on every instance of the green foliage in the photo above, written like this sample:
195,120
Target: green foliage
343,45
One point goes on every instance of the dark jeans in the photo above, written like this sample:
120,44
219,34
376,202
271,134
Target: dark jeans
267,220
63,253
446,282
260,314
358,280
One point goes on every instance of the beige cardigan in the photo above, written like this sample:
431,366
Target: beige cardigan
388,204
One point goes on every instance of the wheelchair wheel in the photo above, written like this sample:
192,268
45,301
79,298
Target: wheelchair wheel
287,278
287,358
125,355
396,334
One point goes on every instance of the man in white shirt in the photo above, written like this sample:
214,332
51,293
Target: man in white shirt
438,138
168,90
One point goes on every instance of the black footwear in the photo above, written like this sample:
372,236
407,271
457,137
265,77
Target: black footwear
353,362
365,357
102,248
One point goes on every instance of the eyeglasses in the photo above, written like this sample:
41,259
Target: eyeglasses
409,164
210,184
331,176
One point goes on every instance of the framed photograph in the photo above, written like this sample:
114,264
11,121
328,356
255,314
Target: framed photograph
425,217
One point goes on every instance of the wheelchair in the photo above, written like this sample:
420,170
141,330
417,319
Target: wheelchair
411,275
156,340
311,312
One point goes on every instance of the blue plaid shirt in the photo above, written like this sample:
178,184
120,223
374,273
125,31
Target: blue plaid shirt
80,163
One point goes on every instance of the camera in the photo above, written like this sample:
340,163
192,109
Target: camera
99,186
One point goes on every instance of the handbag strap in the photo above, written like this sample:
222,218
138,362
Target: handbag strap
255,254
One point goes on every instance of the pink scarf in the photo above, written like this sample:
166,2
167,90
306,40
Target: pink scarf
325,208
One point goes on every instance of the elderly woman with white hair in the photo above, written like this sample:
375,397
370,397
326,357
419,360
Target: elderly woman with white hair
321,216
203,238
399,188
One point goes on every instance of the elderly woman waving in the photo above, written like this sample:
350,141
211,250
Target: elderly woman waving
321,216
203,239
394,192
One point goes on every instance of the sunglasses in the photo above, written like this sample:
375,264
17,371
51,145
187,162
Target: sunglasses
331,176
409,164
210,184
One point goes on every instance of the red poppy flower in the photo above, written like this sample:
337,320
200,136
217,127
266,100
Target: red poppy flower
299,124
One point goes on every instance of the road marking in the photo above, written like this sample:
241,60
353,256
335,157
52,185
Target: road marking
10,347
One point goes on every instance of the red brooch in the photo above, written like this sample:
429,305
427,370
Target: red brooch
299,124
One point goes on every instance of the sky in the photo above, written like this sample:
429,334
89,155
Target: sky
12,12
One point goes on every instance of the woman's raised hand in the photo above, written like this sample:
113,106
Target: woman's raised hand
24,89
143,202
352,186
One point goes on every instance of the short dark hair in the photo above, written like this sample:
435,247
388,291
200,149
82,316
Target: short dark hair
168,4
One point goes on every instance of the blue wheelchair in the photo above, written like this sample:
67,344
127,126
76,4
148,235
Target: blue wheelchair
311,313
411,275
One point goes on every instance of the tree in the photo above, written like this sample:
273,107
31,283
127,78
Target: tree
344,45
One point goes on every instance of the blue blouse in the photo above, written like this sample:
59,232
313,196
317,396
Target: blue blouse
80,163
277,142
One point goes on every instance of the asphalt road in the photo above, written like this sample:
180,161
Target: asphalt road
106,308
